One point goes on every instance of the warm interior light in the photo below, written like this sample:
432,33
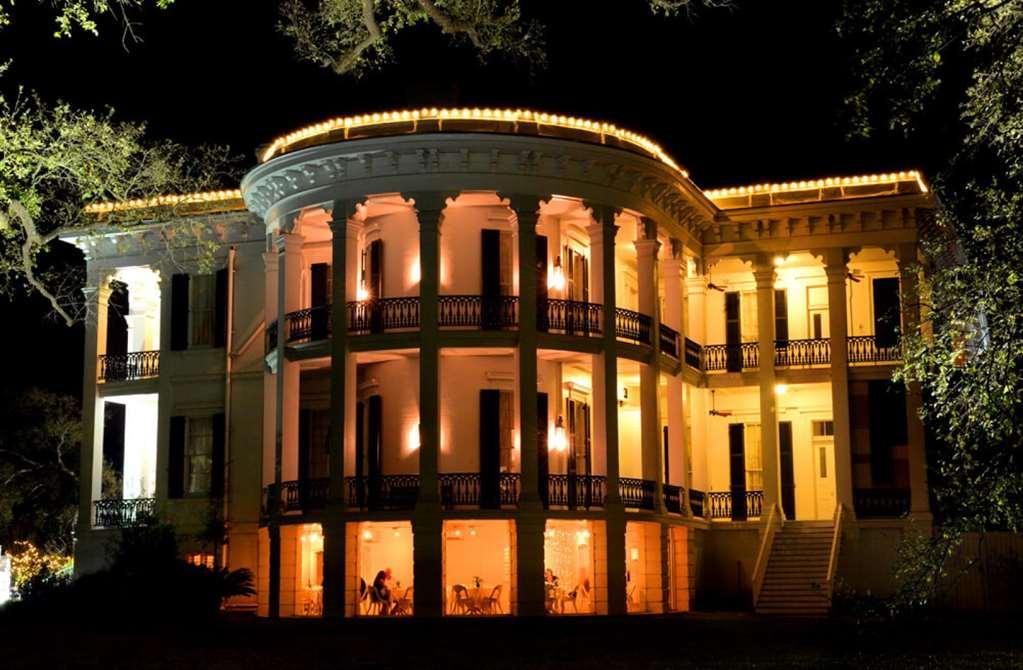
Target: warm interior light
415,271
413,437
623,396
558,441
781,389
361,293
367,535
556,277
634,553
779,261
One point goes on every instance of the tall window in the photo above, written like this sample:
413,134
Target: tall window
201,307
199,455
754,464
748,321
507,419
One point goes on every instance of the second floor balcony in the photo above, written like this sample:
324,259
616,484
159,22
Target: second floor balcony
807,353
128,367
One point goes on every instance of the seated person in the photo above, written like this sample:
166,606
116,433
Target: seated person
382,586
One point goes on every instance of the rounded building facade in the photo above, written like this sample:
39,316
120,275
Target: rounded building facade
474,323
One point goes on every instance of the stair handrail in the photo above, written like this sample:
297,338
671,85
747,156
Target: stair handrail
763,554
836,541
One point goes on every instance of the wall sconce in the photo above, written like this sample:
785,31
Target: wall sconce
556,277
781,389
634,553
623,396
361,293
779,261
558,441
367,535
413,438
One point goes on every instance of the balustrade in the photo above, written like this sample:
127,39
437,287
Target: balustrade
718,504
124,512
731,357
866,349
636,493
129,367
669,341
632,326
386,492
474,311
795,353
673,498
460,489
575,491
571,317
880,503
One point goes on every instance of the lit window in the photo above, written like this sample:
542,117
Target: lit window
823,428
200,559
201,307
199,455
754,463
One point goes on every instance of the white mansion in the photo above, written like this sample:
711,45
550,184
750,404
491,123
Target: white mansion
518,361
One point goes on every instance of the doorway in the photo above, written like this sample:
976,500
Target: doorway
822,453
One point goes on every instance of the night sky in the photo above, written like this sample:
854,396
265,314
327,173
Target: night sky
736,96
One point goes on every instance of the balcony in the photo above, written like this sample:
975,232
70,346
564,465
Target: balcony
719,505
696,500
669,340
470,489
633,326
870,349
673,498
731,357
802,353
383,493
124,512
575,491
129,367
299,495
887,503
474,311
571,317
636,493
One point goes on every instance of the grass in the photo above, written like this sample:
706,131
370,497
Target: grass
697,640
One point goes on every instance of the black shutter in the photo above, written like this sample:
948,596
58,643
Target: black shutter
788,477
176,462
319,286
737,467
217,460
374,448
573,452
888,427
304,439
490,278
220,309
117,321
543,461
179,312
781,318
541,283
113,443
360,453
733,333
375,288
667,455
887,312
490,448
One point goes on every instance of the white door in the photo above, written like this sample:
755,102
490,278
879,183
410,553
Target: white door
822,451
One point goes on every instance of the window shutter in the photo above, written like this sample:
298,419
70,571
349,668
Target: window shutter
374,430
220,309
733,333
117,319
887,312
376,269
490,277
541,283
179,312
788,477
543,466
176,462
217,463
490,447
737,469
781,317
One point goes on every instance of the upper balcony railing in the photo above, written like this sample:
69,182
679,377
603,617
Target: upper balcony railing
383,492
633,326
871,349
299,495
669,341
574,491
474,311
124,512
470,489
731,357
636,493
881,502
802,353
571,317
380,315
129,367
721,505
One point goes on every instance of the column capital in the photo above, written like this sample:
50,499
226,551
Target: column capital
602,213
673,267
524,203
764,276
647,247
426,202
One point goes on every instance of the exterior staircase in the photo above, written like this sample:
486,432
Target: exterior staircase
796,578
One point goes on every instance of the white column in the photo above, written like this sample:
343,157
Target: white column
838,324
696,292
650,423
919,505
672,270
763,272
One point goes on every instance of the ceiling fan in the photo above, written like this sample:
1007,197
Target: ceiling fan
713,410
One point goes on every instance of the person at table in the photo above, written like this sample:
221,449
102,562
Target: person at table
550,589
382,586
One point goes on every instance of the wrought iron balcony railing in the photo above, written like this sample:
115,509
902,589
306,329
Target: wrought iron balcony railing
129,367
731,357
881,503
802,353
669,341
470,489
696,499
474,311
574,491
386,492
719,505
124,512
673,496
870,349
633,326
636,493
300,495
570,317
693,354
383,314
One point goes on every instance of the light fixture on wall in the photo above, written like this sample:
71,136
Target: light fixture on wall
623,396
781,389
559,441
413,437
361,293
779,261
556,277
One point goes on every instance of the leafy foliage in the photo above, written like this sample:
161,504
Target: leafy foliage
54,160
40,434
956,66
84,15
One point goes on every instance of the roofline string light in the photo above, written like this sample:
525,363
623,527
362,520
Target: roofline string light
599,129
170,200
830,182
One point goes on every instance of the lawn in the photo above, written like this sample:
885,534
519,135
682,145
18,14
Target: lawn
698,640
